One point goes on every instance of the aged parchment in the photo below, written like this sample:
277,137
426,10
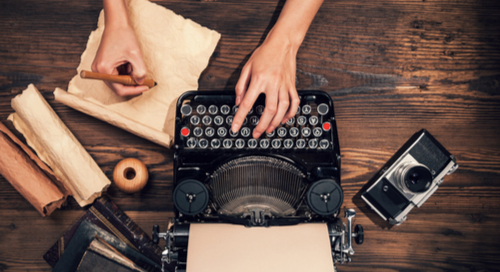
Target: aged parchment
57,146
176,50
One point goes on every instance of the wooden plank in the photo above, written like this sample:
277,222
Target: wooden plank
391,67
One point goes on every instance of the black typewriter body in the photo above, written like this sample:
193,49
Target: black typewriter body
287,177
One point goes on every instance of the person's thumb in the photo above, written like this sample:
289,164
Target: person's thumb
139,71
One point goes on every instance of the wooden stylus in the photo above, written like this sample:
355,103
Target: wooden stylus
123,79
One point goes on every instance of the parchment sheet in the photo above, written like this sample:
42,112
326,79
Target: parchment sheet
229,248
176,51
57,146
29,175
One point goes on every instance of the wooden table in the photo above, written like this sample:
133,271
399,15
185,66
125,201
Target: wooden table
391,67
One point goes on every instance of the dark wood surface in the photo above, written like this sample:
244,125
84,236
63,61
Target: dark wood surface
392,68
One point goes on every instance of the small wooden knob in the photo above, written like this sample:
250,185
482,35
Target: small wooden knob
130,175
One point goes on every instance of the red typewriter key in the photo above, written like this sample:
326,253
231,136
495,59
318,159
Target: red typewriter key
327,126
185,131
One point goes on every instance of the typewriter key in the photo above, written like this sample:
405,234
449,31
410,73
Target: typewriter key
317,132
201,109
225,109
219,120
213,109
323,109
186,109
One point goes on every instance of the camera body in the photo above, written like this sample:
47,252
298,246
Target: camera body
409,178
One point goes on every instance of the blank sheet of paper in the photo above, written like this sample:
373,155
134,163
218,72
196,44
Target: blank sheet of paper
229,248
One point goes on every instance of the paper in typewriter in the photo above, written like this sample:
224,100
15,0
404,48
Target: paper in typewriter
229,248
176,50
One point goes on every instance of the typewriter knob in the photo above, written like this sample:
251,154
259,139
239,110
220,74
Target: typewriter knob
359,234
156,238
325,197
190,197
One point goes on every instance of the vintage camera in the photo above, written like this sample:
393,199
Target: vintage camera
409,178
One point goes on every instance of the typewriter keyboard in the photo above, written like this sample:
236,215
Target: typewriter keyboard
206,125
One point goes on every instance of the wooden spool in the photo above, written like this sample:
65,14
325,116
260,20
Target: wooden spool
130,175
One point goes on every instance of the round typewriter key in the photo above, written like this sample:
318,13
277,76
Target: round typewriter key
301,120
191,142
218,120
301,143
209,131
222,132
233,134
325,197
306,132
215,143
254,120
313,143
229,120
271,134
185,131
259,109
288,143
282,132
306,109
313,120
245,132
245,121
264,143
203,143
291,121
225,109
227,143
324,144
186,110
298,110
327,126
252,143
294,132
235,109
190,197
195,120
317,132
240,143
201,109
323,109
206,120
198,131
276,143
213,109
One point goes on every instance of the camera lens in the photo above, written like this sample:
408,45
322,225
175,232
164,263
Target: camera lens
415,178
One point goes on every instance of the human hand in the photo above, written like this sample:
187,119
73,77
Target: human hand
120,54
270,70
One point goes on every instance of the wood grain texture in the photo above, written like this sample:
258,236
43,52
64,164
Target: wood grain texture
392,68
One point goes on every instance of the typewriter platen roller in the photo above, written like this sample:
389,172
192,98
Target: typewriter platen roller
286,177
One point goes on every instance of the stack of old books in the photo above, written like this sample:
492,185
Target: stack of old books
104,239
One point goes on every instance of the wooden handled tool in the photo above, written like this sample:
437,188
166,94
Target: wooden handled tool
123,79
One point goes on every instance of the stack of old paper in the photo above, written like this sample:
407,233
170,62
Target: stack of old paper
176,51
57,146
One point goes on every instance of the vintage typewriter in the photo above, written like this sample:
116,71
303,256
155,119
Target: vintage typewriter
286,177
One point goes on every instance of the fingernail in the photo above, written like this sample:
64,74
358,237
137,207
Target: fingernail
256,135
270,129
